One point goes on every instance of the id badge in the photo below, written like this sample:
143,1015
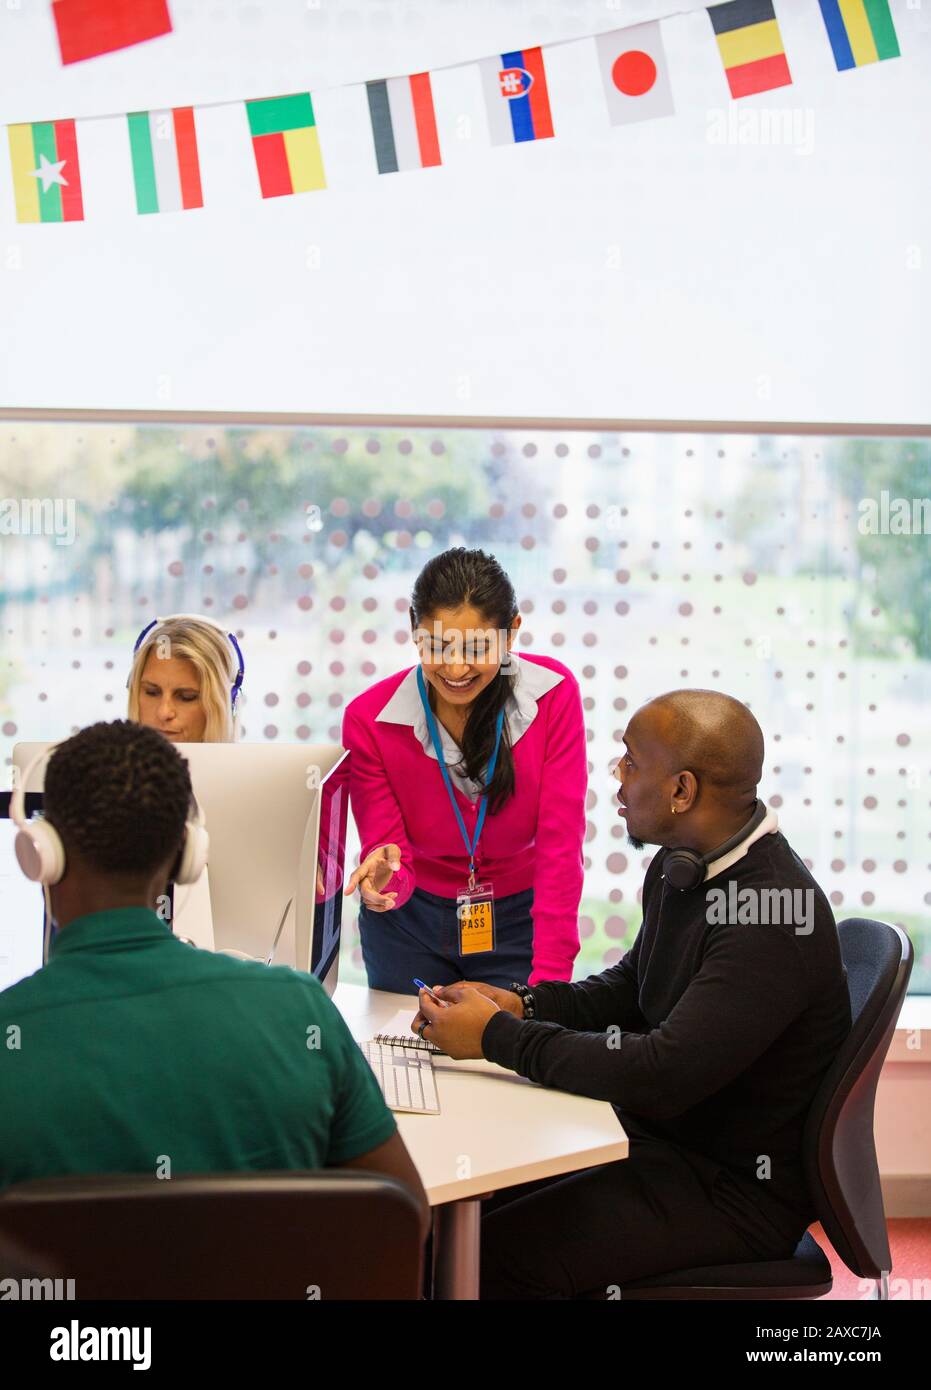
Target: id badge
475,913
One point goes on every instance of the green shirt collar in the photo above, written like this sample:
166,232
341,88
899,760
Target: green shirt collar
118,928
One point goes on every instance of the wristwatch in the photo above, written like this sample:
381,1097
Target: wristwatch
526,999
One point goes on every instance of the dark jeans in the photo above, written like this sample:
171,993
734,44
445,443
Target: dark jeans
662,1208
422,938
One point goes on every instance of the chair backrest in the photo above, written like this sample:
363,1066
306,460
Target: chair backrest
838,1146
333,1234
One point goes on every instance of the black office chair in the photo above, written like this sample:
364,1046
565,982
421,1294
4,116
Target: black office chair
332,1235
838,1149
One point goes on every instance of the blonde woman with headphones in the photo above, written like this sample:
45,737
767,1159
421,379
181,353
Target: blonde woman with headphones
186,680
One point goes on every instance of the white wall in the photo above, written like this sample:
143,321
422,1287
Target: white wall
636,272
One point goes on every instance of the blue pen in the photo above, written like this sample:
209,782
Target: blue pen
443,1003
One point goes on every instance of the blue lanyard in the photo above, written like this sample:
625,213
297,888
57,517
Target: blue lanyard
471,845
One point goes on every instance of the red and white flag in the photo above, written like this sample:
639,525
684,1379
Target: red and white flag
635,73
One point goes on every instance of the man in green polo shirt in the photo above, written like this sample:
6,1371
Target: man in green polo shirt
131,1051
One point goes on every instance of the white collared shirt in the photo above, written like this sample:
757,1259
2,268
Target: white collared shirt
529,682
768,826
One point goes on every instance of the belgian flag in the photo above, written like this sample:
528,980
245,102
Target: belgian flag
750,45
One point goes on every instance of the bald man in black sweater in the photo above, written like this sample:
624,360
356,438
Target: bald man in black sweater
710,1037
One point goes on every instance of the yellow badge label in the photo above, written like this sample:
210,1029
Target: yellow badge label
476,927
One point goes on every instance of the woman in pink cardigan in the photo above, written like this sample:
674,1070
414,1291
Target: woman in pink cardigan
467,782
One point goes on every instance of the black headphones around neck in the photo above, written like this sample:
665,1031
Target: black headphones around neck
685,868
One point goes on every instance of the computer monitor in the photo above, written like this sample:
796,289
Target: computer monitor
22,904
275,813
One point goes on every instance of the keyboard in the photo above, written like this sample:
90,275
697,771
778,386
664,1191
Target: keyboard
405,1076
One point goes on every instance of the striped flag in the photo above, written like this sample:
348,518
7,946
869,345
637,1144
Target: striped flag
516,97
46,173
635,73
861,31
166,169
286,145
403,123
750,46
87,28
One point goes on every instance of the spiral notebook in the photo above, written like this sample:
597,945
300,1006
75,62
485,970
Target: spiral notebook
407,1040
397,1034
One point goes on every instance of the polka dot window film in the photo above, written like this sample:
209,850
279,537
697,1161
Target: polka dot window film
791,572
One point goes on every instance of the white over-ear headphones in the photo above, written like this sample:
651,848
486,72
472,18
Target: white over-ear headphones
39,850
195,848
41,854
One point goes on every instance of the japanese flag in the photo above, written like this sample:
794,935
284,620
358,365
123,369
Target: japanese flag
635,73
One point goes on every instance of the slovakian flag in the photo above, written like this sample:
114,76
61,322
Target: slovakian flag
635,73
286,145
861,31
403,123
46,173
166,167
87,28
516,97
750,46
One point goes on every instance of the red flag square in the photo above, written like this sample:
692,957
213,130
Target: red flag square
87,28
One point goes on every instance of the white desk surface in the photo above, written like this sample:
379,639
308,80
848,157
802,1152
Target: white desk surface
493,1130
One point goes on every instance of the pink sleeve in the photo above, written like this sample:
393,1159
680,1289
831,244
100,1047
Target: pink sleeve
375,808
557,888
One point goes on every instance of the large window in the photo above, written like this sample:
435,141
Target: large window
793,573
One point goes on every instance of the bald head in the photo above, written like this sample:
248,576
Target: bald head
691,769
712,735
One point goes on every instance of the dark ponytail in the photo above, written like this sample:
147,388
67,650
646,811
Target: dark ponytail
452,580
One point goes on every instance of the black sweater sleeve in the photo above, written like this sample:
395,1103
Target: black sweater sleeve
746,992
591,1005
